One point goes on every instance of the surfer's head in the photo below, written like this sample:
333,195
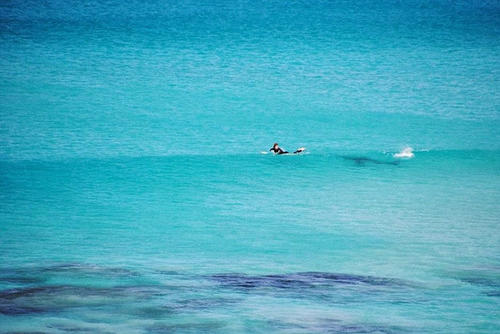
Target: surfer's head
275,145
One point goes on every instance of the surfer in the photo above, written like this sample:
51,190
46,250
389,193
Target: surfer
278,150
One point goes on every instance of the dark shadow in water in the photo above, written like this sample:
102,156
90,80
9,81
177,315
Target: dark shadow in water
20,276
18,279
481,281
201,303
38,275
337,326
59,327
88,270
43,299
488,279
162,304
362,161
302,280
205,327
24,332
493,293
157,312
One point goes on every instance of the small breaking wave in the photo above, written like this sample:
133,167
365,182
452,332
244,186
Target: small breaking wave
406,153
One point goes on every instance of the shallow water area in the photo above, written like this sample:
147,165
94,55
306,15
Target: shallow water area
157,253
135,196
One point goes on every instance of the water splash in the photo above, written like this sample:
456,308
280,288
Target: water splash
406,153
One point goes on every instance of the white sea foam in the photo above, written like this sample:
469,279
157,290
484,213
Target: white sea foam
407,153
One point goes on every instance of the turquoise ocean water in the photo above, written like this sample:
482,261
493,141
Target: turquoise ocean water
135,196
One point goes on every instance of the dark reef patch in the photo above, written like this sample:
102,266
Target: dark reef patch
20,276
71,329
493,293
336,326
44,299
206,327
302,280
39,275
331,326
152,312
101,289
481,281
486,278
21,280
88,269
197,304
23,332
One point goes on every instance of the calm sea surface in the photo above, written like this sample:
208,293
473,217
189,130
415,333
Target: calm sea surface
135,196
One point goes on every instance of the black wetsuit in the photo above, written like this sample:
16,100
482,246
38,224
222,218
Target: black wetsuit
278,150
